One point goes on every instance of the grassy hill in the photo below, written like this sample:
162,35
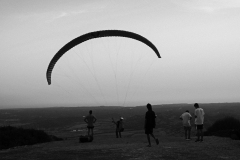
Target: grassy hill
67,123
131,146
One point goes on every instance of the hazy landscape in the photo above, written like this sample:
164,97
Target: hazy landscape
68,119
67,123
59,59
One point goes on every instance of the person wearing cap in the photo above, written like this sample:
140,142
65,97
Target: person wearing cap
186,117
150,124
119,127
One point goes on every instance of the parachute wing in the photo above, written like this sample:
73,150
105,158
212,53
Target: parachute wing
92,35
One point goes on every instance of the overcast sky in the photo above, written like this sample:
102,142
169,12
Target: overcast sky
198,40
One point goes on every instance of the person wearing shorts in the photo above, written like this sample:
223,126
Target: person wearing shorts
150,124
186,117
90,120
199,119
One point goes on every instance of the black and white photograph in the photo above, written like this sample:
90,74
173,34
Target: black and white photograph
119,80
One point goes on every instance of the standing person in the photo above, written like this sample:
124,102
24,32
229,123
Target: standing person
90,119
186,117
119,127
150,124
199,119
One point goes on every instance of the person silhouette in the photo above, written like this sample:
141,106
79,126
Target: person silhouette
119,127
90,120
150,124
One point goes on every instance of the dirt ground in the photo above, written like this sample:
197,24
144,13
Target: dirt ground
132,146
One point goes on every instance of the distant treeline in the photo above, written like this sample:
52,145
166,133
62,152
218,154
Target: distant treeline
12,137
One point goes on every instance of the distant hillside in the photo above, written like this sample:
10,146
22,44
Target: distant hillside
67,118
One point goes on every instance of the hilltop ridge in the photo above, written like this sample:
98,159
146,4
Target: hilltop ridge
131,146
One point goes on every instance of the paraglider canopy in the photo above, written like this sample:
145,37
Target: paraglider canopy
92,35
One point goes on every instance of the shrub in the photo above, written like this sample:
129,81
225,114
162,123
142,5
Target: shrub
12,136
225,127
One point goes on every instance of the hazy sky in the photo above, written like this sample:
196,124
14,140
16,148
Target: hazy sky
199,41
